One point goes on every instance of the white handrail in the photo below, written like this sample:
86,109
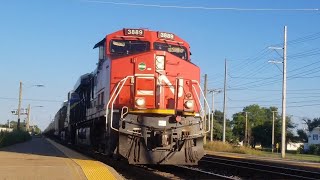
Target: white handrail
112,99
201,108
206,103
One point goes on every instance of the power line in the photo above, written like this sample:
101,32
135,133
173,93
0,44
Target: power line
40,100
201,7
312,52
251,62
290,102
306,53
247,60
269,80
308,72
301,39
272,77
305,38
276,90
306,105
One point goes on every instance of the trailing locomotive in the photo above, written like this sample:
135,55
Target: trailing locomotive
142,102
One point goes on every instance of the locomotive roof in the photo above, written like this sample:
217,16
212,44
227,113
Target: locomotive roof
150,34
82,81
100,43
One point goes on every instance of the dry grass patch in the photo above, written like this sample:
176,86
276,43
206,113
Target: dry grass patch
226,147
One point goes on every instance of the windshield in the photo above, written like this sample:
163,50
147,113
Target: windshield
179,51
127,47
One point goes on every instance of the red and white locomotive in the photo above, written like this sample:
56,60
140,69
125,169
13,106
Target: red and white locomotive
142,102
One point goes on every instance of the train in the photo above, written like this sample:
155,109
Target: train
141,103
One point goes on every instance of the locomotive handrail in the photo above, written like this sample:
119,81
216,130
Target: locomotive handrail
201,108
206,103
113,97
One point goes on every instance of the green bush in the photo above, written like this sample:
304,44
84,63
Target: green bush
10,138
300,150
314,149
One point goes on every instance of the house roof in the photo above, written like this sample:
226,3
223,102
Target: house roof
315,129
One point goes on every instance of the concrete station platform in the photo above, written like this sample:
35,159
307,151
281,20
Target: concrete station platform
315,166
42,159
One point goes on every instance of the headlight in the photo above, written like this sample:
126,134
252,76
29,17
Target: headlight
159,62
188,104
140,102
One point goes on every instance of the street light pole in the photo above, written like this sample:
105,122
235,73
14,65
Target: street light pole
213,91
272,145
224,102
246,130
205,107
211,131
28,118
284,92
19,105
284,95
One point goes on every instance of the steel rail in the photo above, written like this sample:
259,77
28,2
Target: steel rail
211,174
270,169
140,171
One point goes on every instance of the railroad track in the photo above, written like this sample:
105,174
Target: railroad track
187,172
156,172
205,174
255,170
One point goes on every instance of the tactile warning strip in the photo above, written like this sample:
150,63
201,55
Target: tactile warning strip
91,168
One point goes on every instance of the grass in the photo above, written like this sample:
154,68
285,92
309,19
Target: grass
219,146
304,157
10,138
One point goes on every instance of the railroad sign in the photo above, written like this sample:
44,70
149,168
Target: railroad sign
142,66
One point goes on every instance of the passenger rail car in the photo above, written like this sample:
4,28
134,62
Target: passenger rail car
142,102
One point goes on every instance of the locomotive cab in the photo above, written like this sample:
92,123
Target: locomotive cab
143,100
152,101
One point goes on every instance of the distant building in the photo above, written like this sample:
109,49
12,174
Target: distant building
313,138
4,129
293,146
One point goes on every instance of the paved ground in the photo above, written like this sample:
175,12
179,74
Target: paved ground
41,159
37,159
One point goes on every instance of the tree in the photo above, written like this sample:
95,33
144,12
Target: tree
218,127
36,129
312,123
13,124
260,125
238,126
302,135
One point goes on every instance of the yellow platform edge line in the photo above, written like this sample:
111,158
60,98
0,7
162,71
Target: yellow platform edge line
93,170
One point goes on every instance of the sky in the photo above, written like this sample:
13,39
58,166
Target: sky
50,42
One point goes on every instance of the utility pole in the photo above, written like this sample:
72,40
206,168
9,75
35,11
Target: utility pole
272,145
213,91
19,105
224,101
246,131
28,119
9,123
205,107
284,95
